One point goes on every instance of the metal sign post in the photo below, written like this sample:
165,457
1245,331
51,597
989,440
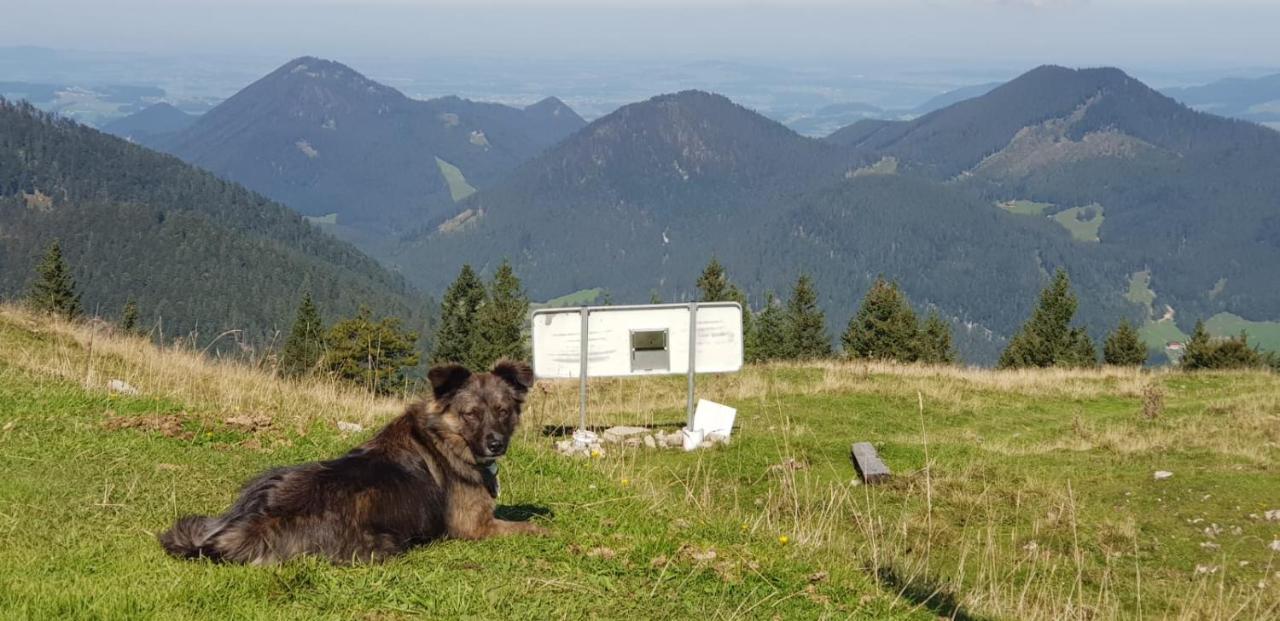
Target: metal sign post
693,358
582,372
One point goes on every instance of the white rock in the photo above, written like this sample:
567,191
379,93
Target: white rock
1272,515
650,442
1206,569
1275,546
346,427
621,433
121,387
1161,475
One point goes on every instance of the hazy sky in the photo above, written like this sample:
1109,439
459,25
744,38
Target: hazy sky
1016,32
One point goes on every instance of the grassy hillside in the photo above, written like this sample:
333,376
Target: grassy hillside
1022,495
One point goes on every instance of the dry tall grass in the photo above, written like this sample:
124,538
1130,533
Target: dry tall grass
93,354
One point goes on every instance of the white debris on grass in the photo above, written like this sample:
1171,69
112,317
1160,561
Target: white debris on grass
346,427
1161,475
121,387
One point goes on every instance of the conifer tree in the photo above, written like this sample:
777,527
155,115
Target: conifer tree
884,328
500,321
806,324
1047,338
1123,348
458,310
713,284
1082,352
305,346
935,341
770,330
1198,353
129,317
373,354
55,290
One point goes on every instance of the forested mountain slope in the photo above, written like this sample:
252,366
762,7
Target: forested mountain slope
194,251
329,142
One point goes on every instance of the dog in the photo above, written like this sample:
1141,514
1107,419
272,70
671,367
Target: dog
427,475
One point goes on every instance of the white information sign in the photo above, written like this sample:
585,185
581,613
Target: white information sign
637,340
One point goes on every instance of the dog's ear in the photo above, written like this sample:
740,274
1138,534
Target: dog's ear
518,374
446,379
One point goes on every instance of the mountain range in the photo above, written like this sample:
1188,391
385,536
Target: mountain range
1252,99
341,148
151,123
196,253
1156,210
1160,213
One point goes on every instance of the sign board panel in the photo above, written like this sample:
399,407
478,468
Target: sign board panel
648,339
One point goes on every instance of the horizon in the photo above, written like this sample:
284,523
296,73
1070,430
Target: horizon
1131,34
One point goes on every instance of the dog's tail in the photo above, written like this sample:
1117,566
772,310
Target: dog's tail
190,538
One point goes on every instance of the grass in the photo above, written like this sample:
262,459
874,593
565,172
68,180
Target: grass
1081,229
1024,495
581,297
1140,292
458,186
1264,334
1025,208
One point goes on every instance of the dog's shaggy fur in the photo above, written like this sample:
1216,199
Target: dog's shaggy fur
423,477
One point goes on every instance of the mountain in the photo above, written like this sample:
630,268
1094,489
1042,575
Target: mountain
829,118
1156,210
194,251
953,97
639,201
151,123
1190,200
1252,99
331,143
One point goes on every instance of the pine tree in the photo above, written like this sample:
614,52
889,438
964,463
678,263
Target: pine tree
806,324
129,317
1047,338
884,328
458,311
935,341
713,284
1198,353
1123,348
770,329
55,290
305,346
373,354
499,327
1082,352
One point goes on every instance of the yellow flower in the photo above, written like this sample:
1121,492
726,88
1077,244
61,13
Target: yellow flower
595,453
744,526
783,539
626,482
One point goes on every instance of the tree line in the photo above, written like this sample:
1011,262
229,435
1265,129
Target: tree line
481,323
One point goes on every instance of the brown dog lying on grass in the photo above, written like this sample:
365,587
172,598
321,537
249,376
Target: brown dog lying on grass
423,477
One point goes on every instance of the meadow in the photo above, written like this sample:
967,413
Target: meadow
1016,495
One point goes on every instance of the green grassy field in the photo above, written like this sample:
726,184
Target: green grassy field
1264,334
458,186
1081,230
577,298
1025,208
1017,495
1140,292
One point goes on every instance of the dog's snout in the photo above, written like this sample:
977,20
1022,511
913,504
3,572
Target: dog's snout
495,443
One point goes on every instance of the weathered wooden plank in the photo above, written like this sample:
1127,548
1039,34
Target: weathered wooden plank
868,463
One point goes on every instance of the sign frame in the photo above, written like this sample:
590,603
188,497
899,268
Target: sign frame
585,312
